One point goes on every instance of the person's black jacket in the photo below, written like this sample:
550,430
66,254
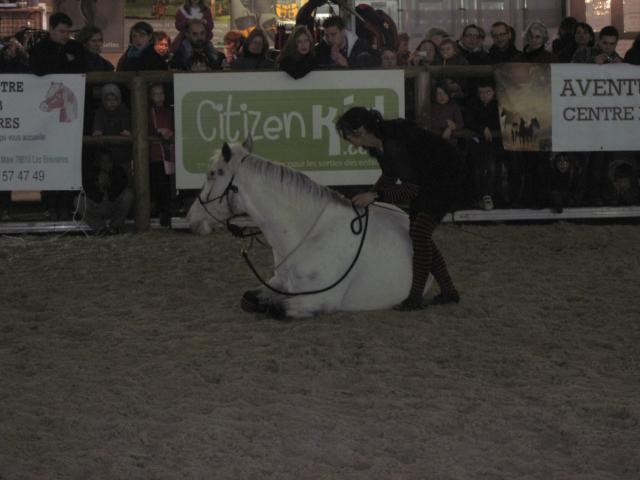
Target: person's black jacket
49,57
130,59
298,68
90,173
633,55
479,116
496,55
182,58
151,60
359,54
97,63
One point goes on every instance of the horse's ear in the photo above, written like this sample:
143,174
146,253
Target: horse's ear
248,144
226,152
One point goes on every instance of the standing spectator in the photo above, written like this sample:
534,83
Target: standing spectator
13,57
297,57
633,54
436,35
584,43
605,51
161,158
58,53
426,53
108,199
486,154
403,49
158,56
189,10
340,48
565,40
536,37
139,41
91,39
503,49
195,42
233,41
254,55
446,116
470,45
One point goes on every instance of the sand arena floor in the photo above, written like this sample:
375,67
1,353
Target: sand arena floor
128,358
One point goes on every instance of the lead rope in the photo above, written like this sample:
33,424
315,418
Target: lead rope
357,228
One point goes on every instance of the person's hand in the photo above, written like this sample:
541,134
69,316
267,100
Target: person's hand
487,135
616,60
446,134
97,133
601,59
125,133
165,133
451,124
364,199
337,57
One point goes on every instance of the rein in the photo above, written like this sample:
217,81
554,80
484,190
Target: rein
357,228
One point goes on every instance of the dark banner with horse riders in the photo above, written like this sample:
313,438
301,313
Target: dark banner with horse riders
107,15
569,107
524,97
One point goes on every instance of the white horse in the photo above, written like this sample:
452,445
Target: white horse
311,231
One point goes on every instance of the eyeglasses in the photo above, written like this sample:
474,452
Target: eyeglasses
500,35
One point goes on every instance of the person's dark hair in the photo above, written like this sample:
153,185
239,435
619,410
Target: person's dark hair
403,37
257,32
567,26
198,57
86,33
588,28
442,86
58,18
500,24
471,25
485,82
636,42
140,27
159,35
333,21
609,31
357,117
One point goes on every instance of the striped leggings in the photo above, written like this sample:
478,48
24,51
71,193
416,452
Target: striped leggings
427,258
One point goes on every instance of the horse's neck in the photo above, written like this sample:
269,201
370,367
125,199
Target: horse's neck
283,222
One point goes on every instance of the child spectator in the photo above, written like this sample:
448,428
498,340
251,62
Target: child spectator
446,116
157,57
389,58
233,41
254,54
297,57
189,10
161,158
403,50
108,199
139,40
485,146
199,63
113,118
450,53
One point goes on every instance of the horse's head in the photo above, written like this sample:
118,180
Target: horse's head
54,98
218,200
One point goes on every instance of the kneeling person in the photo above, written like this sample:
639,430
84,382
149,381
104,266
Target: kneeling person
108,198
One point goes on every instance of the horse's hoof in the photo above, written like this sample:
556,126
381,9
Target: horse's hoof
277,311
251,303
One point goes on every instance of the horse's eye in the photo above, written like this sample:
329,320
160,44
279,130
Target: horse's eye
220,172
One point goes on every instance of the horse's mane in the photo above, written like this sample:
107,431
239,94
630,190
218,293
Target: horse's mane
292,181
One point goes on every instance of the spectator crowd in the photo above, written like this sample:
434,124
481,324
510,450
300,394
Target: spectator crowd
464,112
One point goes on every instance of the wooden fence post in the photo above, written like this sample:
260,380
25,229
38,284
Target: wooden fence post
140,108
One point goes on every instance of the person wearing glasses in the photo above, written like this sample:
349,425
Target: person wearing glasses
503,49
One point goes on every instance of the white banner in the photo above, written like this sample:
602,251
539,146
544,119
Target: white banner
595,107
291,121
41,132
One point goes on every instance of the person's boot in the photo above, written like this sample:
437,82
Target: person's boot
445,298
409,304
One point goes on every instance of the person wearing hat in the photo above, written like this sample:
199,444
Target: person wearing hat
114,118
433,181
139,40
